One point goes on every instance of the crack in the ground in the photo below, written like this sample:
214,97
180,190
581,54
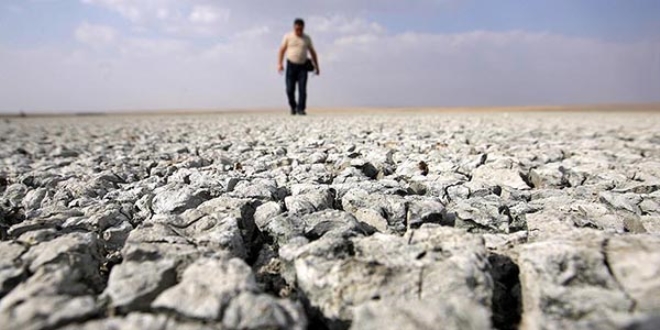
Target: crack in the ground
506,301
420,283
606,262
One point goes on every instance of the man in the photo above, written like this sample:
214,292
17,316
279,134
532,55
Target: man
296,45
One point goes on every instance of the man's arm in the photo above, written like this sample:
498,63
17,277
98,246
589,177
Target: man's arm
315,58
280,58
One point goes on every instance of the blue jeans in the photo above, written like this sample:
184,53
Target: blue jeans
296,74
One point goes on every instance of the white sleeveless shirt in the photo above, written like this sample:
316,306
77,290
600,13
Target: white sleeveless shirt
297,47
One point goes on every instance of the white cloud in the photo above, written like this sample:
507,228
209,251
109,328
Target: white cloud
488,68
253,33
163,13
96,36
130,9
340,24
380,69
208,15
205,18
184,54
194,18
149,48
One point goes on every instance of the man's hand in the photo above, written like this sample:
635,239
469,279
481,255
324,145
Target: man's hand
315,59
280,58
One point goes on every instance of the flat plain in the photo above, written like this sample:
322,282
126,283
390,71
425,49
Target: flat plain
501,218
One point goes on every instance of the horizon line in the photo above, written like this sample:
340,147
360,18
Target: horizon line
577,107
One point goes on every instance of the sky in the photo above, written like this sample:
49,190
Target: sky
108,55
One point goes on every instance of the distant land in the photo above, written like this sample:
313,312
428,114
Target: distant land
623,107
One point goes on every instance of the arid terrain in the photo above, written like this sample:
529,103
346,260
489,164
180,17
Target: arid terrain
364,220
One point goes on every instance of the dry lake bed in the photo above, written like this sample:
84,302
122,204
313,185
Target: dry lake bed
423,220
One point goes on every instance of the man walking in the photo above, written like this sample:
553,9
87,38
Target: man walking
296,45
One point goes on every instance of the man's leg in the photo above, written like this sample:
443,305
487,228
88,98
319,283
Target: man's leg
302,91
291,87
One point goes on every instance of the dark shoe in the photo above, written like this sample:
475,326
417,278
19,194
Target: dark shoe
302,113
293,113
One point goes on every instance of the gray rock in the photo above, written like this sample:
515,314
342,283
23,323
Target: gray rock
647,187
57,293
195,227
265,212
441,185
284,227
36,236
372,218
218,233
309,203
455,193
505,242
547,176
426,211
115,237
11,271
651,223
594,215
332,223
499,177
555,175
126,194
97,220
48,218
408,169
317,158
633,225
260,190
260,311
45,312
15,193
34,198
625,202
307,188
634,261
141,321
392,207
468,166
236,207
336,275
486,214
207,287
568,284
81,252
650,206
143,208
178,199
453,313
134,285
155,241
281,228
63,152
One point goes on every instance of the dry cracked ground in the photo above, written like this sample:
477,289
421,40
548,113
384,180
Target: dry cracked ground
398,221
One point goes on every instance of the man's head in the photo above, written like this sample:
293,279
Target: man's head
299,26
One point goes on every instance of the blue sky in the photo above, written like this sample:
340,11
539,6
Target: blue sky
101,55
605,19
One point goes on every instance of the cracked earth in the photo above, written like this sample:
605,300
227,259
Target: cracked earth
396,221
